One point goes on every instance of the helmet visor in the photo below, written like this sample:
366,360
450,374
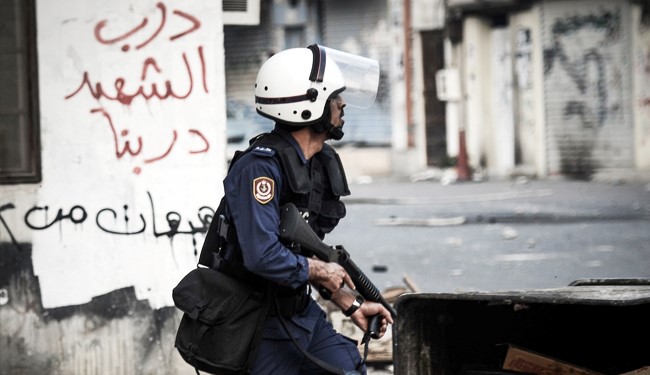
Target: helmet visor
360,74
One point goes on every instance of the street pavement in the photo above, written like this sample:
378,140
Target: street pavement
496,234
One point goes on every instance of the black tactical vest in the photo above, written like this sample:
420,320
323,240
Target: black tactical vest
315,188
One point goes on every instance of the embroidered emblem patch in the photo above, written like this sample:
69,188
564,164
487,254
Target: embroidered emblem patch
263,189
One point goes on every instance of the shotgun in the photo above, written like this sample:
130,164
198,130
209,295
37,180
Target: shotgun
294,229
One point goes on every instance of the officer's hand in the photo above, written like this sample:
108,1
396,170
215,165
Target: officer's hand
369,309
331,276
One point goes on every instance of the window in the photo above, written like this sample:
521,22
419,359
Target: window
240,12
19,130
294,36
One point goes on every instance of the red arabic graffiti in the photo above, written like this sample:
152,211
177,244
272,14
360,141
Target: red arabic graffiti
124,146
159,78
163,19
119,92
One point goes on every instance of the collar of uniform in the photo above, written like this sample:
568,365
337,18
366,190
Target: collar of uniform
287,135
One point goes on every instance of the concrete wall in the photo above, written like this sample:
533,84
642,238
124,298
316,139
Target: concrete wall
503,91
530,155
641,81
132,120
477,112
500,136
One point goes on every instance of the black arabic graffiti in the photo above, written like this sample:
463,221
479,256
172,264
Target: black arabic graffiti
4,224
60,216
126,222
106,219
205,216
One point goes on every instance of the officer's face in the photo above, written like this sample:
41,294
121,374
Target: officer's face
336,108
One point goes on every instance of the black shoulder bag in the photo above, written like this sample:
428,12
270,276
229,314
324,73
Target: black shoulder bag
223,312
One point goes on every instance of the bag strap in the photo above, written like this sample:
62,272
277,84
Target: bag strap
257,336
213,240
220,233
318,362
197,338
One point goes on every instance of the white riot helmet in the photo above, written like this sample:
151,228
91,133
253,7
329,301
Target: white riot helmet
293,86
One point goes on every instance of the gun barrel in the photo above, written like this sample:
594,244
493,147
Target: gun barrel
365,287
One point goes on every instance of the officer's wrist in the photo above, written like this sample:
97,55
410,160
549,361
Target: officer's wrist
355,306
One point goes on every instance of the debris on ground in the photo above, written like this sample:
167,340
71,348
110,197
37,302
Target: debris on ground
380,352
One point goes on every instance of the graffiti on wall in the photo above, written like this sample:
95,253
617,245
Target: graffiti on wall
133,102
578,45
523,58
524,97
123,221
123,146
587,84
153,83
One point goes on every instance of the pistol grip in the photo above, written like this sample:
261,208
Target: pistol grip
374,325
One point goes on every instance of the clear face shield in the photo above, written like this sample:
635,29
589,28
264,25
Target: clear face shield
360,74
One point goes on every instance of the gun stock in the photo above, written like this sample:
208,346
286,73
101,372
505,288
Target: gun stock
293,228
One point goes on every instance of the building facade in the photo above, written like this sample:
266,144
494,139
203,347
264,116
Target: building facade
552,87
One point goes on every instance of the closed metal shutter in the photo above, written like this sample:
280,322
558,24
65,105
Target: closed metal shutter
355,27
587,85
246,47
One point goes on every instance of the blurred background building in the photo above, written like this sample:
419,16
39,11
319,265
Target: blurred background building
541,88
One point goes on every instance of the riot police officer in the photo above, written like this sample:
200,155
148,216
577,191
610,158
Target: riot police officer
303,91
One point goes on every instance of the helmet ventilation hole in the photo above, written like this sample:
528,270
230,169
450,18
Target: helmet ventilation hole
306,114
266,88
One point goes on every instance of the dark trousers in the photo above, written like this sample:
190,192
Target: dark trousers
278,354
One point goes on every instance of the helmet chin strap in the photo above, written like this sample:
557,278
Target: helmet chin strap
325,126
335,133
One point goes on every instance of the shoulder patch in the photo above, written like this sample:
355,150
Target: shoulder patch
263,189
263,151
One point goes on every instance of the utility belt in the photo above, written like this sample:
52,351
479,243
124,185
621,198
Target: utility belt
289,302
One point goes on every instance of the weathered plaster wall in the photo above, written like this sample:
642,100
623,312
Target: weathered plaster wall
132,117
115,333
530,153
641,80
501,128
476,113
132,120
